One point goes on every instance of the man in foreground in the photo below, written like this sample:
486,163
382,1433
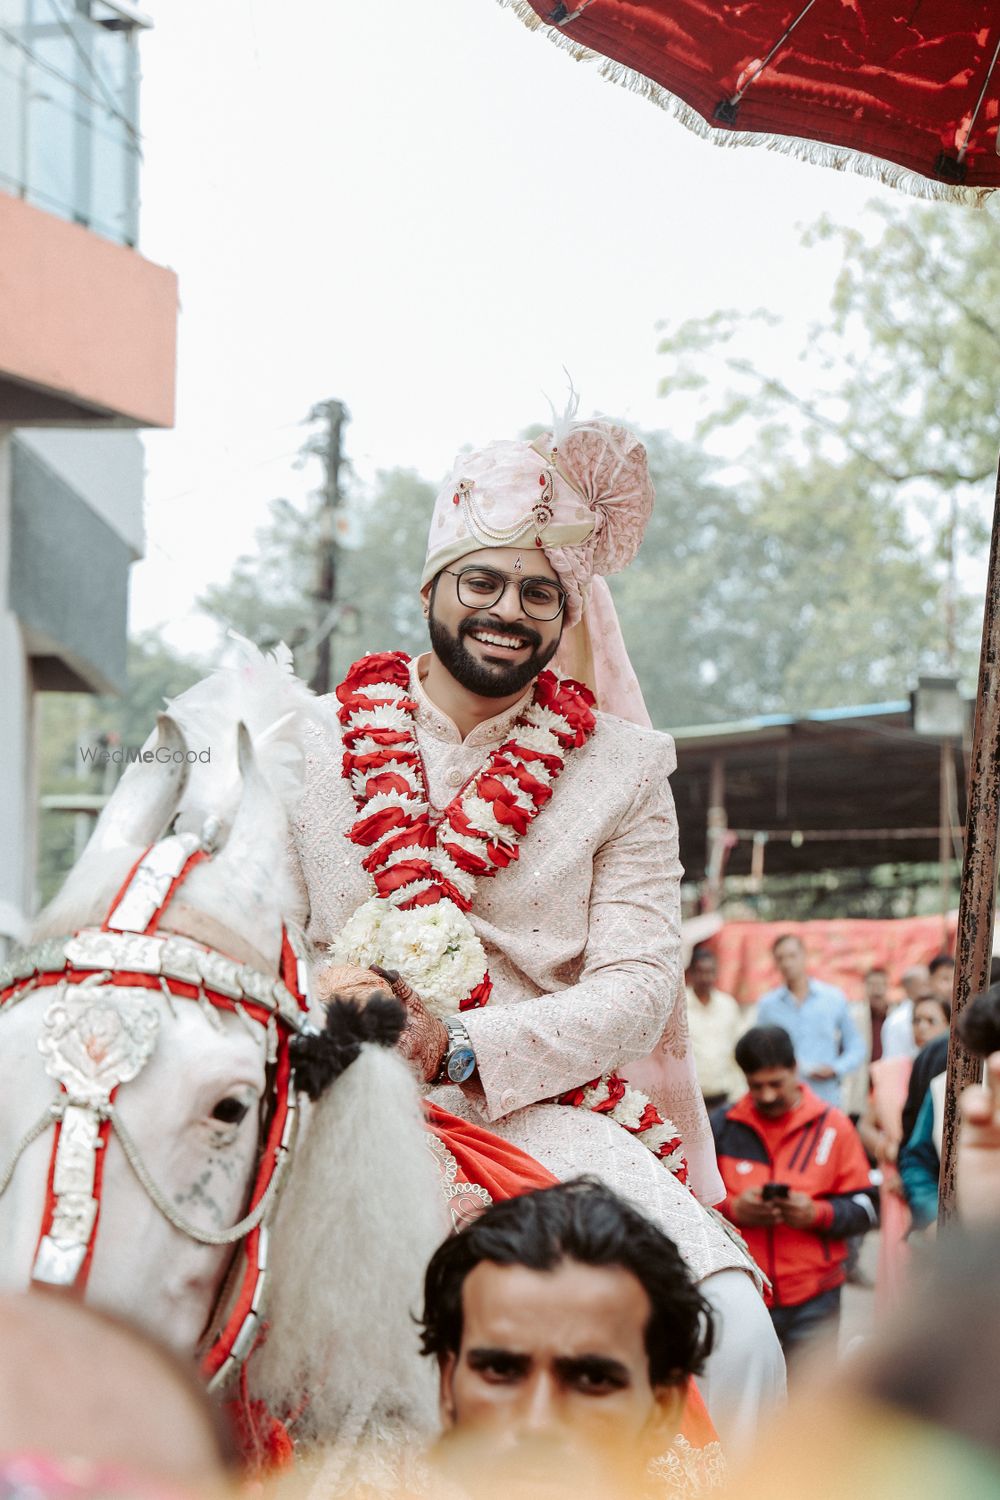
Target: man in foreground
566,1328
797,1183
818,1019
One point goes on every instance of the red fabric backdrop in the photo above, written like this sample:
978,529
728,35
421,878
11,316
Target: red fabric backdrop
840,951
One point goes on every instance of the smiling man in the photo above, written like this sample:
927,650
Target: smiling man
475,822
495,622
566,1328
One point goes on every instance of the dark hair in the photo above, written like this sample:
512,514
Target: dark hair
979,1023
944,1006
786,937
700,953
940,961
765,1047
581,1221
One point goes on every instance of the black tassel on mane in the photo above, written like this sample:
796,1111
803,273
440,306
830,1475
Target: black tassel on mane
320,1059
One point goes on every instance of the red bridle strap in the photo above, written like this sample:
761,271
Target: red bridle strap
178,880
241,1323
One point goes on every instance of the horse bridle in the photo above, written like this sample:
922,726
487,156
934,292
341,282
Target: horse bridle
100,1030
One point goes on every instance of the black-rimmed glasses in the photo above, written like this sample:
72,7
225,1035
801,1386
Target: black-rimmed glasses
481,588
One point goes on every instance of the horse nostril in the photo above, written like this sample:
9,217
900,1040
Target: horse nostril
230,1111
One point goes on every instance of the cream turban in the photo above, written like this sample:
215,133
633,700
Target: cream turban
585,502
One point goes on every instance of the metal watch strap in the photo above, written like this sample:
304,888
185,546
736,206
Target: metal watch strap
458,1037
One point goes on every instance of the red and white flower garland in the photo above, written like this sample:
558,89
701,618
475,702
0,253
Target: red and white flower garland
425,869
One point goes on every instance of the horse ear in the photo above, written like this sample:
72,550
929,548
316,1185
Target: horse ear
244,885
144,802
258,826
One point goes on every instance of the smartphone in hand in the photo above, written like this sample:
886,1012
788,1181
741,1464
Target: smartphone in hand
772,1190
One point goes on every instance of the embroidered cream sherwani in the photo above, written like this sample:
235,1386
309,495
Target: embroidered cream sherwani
582,938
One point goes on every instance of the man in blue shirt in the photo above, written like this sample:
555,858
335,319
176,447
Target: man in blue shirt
817,1017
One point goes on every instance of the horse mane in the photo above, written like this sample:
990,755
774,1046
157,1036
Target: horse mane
360,1218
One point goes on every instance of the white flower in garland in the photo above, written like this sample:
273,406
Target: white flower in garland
629,1109
533,737
434,948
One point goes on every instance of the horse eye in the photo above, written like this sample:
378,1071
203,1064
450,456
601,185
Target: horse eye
230,1111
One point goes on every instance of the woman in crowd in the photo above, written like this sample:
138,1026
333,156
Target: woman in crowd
881,1130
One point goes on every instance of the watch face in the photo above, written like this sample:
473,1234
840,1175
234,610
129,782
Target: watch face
461,1064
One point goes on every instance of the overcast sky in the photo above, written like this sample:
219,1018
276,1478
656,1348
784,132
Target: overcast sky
426,210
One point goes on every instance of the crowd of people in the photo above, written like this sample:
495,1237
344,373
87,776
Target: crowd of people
877,1065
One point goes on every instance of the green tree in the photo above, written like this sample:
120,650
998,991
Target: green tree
891,422
800,592
270,596
267,596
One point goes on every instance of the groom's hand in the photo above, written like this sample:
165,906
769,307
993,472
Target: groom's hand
424,1041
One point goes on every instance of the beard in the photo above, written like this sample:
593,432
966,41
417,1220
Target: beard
478,677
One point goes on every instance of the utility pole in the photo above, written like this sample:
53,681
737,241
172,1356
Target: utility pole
336,416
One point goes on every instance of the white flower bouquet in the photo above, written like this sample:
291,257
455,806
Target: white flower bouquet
434,948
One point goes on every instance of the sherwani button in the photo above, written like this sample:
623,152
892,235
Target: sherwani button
454,778
507,1099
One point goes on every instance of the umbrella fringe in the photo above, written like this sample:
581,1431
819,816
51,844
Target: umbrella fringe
819,153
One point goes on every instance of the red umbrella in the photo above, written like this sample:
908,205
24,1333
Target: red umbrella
915,85
894,89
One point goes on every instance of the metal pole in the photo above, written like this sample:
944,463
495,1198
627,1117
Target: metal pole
336,416
979,870
715,834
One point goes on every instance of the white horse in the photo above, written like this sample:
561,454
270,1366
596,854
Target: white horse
154,1039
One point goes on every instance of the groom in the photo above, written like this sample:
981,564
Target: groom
474,799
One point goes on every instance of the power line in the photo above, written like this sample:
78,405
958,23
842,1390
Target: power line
72,83
88,63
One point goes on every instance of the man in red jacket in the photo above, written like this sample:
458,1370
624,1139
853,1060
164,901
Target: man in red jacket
797,1185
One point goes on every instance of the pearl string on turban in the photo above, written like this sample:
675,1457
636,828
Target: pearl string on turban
582,497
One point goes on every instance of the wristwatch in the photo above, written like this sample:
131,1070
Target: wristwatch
459,1061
